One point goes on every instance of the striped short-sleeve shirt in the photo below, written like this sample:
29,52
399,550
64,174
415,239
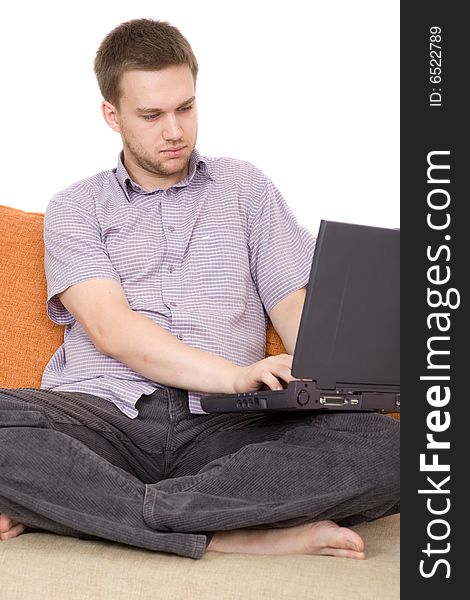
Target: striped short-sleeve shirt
206,258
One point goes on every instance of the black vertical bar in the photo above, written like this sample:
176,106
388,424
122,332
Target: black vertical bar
435,409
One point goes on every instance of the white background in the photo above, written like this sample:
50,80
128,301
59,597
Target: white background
307,91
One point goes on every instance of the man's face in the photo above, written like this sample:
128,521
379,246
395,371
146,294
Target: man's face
157,120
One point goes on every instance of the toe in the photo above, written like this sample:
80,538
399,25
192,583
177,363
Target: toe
13,532
9,528
344,553
349,540
5,523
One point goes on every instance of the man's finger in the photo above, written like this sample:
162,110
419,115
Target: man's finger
271,381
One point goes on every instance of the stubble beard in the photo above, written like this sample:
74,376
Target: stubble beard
147,162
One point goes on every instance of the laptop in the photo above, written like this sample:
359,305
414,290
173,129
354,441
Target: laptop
347,353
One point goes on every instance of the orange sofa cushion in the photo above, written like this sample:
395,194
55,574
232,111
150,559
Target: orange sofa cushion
27,337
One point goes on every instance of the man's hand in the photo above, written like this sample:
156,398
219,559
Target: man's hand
267,371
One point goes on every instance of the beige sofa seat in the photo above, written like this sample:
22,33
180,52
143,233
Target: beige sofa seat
42,566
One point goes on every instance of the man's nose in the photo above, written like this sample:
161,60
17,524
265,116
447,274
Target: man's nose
171,127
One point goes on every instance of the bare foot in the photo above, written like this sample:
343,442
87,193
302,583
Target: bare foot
9,528
322,537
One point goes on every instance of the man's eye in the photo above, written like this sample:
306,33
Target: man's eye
185,108
150,117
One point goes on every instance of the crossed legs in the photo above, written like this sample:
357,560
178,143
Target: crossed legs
278,496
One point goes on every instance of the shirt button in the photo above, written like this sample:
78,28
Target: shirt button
171,228
173,304
171,269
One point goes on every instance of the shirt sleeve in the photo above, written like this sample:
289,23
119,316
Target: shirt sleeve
74,251
281,250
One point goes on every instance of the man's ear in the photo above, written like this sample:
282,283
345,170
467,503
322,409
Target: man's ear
110,115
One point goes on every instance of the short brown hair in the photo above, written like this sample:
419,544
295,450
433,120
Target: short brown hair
142,44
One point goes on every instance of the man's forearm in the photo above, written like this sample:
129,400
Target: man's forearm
101,307
150,350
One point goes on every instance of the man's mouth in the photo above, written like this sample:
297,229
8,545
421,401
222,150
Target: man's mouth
173,152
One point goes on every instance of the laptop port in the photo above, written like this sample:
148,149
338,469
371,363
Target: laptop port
333,401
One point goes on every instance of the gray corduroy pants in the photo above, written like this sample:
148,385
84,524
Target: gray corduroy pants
73,464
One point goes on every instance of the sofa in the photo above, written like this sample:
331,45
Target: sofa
40,565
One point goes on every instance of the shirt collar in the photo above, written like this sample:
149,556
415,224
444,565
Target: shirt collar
196,162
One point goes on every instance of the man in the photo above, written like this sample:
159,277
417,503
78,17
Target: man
163,271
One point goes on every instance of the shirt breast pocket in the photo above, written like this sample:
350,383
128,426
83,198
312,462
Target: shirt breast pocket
217,265
136,247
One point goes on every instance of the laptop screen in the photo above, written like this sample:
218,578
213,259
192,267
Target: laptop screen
349,334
